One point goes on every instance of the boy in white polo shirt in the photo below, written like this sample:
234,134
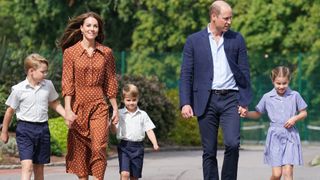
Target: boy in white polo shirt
131,129
30,99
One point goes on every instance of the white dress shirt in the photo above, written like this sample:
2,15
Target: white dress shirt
132,126
31,103
222,74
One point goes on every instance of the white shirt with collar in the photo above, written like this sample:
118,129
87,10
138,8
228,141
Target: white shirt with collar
132,126
31,103
222,74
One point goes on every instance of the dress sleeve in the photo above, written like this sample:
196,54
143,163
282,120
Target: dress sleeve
110,84
301,104
261,106
67,74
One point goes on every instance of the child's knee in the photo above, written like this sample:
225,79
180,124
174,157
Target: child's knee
287,174
276,175
27,166
27,169
125,174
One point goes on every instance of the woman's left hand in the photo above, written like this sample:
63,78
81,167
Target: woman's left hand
115,117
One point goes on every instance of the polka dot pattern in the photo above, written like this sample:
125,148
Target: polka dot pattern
88,80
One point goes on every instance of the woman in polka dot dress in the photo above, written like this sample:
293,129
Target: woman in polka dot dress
88,79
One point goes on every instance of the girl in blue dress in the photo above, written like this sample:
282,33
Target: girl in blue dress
284,108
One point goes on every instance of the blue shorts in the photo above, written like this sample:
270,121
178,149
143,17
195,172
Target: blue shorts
130,156
33,140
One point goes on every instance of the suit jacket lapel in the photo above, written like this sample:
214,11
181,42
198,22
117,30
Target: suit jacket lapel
227,47
206,46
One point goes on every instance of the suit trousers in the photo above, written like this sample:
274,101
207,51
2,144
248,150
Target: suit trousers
222,109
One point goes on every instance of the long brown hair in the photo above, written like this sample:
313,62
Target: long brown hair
72,33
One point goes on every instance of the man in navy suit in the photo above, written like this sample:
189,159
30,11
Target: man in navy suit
215,87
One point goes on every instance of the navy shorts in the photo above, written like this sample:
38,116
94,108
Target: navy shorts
33,140
130,156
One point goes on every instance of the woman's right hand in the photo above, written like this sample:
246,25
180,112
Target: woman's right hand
70,117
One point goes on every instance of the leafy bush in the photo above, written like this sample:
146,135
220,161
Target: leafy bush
186,132
153,101
166,66
9,148
2,105
59,131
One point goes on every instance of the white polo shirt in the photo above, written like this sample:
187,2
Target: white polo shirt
132,126
31,103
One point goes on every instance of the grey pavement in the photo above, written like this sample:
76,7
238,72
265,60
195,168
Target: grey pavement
186,165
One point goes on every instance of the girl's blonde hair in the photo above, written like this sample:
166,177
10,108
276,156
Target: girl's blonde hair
34,61
280,71
130,90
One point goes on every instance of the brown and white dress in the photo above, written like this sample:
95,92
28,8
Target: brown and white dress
89,80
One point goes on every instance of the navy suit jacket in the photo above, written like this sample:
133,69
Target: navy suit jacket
197,69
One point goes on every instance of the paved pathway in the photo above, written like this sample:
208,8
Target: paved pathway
186,165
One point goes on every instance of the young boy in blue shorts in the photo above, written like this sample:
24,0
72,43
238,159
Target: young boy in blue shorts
131,128
30,99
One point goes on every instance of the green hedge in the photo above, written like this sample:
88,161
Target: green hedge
185,132
58,131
